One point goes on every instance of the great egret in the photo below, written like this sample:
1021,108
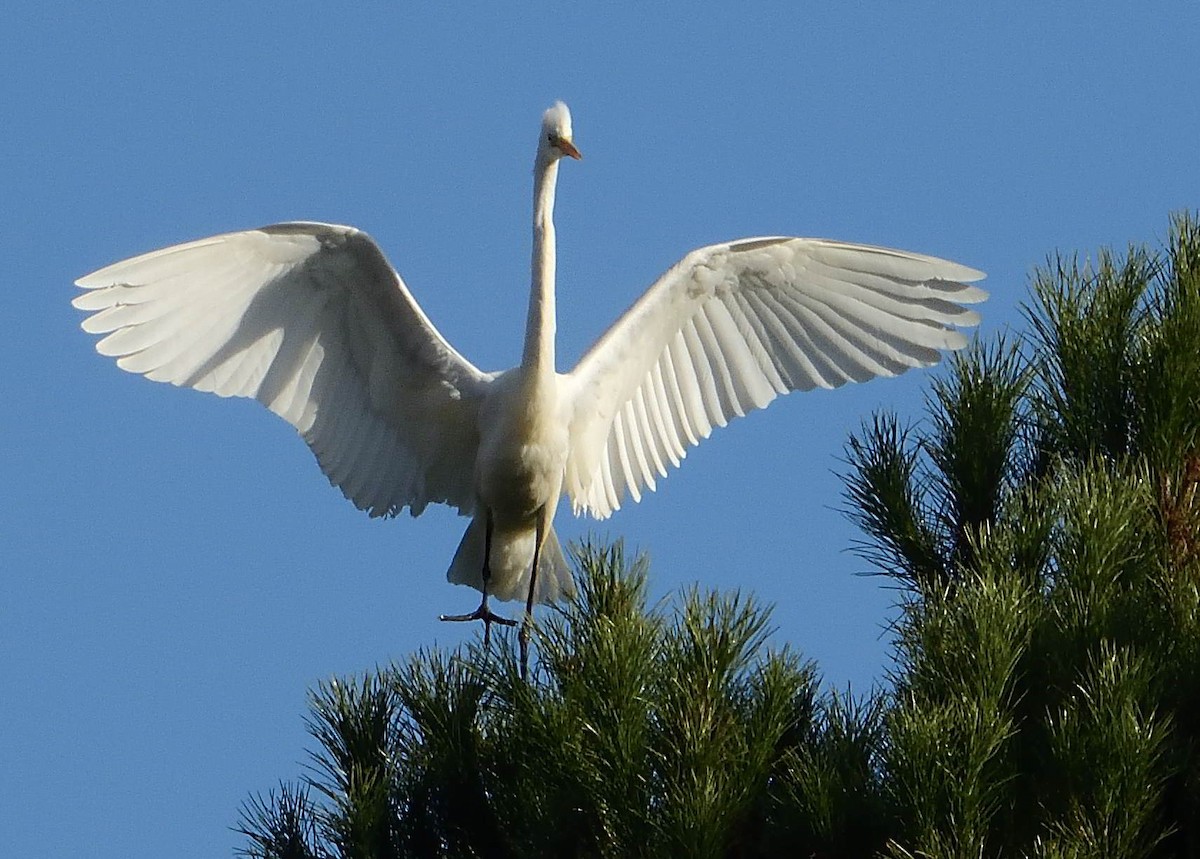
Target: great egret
311,320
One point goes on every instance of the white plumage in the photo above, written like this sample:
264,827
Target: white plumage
731,327
312,321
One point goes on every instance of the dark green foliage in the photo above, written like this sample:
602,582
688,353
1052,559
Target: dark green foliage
1047,681
977,445
1087,326
1043,528
832,803
886,504
282,826
644,731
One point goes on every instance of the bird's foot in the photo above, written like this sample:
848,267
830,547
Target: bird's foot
482,613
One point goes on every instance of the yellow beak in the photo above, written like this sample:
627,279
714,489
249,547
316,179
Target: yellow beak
566,147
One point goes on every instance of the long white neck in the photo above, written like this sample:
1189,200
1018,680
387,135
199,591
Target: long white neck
539,328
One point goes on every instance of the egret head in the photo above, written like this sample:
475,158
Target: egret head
556,138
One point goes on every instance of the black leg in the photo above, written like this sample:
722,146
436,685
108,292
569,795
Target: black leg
483,612
523,634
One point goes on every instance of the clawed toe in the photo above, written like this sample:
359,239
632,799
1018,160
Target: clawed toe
482,613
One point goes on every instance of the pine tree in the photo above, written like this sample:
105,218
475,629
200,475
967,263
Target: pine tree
1043,526
643,731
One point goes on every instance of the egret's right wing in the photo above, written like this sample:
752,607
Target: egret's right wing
310,320
734,325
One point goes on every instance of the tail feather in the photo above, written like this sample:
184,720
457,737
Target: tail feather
512,558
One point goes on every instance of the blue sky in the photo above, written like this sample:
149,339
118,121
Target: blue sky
176,571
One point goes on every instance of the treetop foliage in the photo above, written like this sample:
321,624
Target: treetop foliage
1042,522
643,730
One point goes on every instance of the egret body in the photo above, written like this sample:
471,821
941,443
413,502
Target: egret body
312,321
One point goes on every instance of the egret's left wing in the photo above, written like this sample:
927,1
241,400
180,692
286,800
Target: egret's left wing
312,321
731,327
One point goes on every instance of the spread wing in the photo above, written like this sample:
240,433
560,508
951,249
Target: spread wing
310,320
731,327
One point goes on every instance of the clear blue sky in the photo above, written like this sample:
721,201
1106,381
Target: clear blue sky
176,572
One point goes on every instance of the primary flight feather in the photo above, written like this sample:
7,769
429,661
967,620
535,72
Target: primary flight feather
312,321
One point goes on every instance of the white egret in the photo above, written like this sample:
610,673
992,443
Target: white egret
312,321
